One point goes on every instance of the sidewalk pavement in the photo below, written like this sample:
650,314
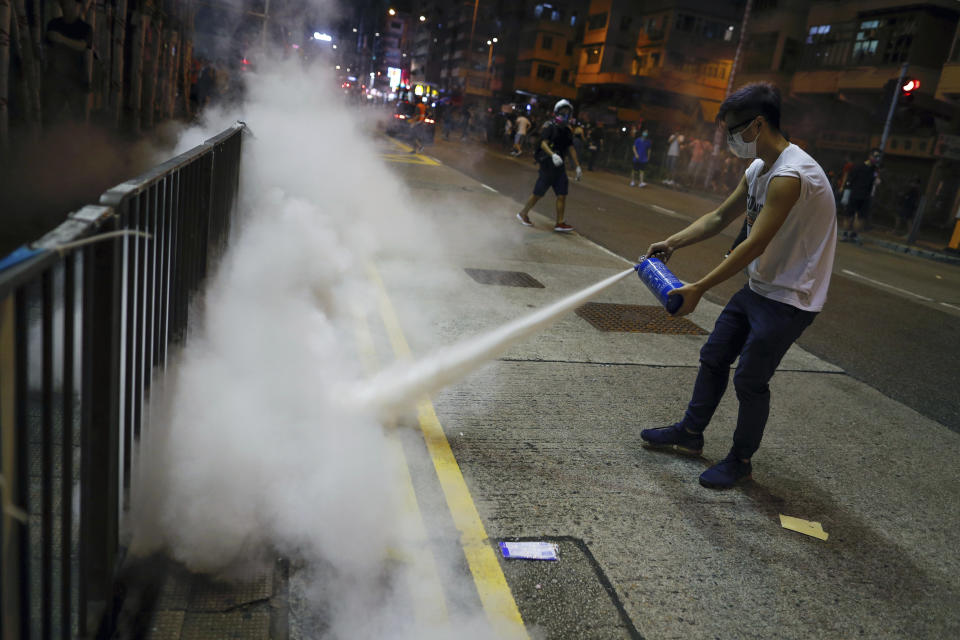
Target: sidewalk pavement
548,440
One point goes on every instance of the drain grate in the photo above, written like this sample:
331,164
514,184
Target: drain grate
636,319
504,278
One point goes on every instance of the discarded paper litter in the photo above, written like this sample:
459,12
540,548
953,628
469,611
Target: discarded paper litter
530,550
805,527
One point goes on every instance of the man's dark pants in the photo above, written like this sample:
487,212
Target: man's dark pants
760,331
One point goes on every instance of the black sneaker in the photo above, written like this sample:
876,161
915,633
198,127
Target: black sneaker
726,473
675,438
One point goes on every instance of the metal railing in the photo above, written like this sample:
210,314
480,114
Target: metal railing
87,319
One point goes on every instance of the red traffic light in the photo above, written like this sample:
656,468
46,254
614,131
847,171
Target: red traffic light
909,86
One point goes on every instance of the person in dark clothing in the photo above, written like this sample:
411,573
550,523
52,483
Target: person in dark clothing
556,140
908,206
595,146
858,192
67,78
465,117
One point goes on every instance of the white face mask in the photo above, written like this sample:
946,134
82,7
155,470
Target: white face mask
741,149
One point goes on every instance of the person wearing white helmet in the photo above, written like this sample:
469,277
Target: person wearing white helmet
556,140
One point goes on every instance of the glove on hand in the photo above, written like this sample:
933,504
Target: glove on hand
557,160
579,173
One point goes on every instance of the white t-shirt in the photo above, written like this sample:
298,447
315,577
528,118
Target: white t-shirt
523,125
795,268
674,149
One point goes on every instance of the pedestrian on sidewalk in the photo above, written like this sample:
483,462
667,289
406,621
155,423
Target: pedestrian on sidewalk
579,138
641,155
858,192
507,133
556,140
418,127
466,115
673,153
909,201
595,145
788,254
523,126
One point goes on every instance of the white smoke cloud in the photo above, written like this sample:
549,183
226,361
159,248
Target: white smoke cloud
247,452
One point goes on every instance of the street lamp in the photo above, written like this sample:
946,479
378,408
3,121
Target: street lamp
490,43
423,18
392,11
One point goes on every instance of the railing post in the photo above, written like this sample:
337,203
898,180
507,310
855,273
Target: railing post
12,624
100,473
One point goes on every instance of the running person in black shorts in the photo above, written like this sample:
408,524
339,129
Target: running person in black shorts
556,140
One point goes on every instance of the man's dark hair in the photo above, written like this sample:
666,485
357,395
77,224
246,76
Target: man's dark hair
756,99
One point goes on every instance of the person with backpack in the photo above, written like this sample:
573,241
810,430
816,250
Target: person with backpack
556,140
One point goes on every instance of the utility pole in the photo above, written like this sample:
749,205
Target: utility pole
263,31
718,135
893,108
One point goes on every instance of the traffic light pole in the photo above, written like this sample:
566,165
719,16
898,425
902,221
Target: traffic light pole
893,107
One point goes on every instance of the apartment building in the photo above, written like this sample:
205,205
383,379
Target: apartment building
664,61
449,46
540,48
849,65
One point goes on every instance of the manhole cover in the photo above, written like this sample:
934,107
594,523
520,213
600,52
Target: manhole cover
504,278
636,318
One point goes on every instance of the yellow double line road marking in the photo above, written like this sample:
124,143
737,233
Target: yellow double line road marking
415,158
495,595
429,604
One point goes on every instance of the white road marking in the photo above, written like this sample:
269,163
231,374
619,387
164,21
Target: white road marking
668,212
952,306
488,187
888,286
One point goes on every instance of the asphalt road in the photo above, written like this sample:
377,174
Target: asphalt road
892,320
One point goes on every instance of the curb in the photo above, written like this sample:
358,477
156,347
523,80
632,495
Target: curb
914,251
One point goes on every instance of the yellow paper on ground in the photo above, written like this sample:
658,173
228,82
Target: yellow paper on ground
803,526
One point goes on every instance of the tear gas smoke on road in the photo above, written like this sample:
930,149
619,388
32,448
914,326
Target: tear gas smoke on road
246,452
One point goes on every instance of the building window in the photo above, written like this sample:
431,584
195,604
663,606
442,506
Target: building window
565,76
764,5
685,22
546,72
759,55
597,21
654,60
573,19
538,10
593,55
864,49
791,55
617,59
899,39
625,23
396,25
639,63
570,48
546,42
